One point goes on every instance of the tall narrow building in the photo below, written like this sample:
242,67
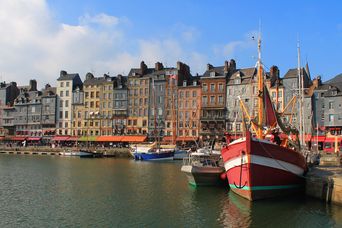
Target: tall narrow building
66,84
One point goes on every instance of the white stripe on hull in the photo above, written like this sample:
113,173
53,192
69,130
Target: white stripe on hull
264,161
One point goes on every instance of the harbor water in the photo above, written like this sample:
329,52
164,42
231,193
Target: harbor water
53,191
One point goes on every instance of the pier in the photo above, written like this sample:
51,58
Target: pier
112,152
325,181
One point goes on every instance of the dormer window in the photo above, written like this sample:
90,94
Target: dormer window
334,93
194,83
212,74
184,83
133,74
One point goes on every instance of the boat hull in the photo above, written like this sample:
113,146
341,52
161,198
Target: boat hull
203,176
162,156
180,154
258,169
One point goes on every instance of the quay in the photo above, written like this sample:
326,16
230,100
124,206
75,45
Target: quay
324,182
112,152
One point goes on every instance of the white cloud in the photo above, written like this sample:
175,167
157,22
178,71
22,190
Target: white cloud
247,42
34,45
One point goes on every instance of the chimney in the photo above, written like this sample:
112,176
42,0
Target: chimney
232,65
47,86
158,66
63,73
33,85
209,66
226,67
143,67
274,74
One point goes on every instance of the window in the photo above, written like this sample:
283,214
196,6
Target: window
187,94
66,103
91,94
212,87
205,88
62,84
274,94
97,94
66,114
212,99
331,117
61,114
220,87
194,93
331,105
212,74
181,94
67,84
204,100
61,93
61,104
220,99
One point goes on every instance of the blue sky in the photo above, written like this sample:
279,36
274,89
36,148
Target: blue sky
44,37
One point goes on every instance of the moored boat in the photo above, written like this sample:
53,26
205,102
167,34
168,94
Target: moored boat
150,153
203,169
257,168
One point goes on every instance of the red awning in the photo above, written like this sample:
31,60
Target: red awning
60,138
167,138
134,138
18,138
33,138
2,138
114,138
71,138
320,138
332,139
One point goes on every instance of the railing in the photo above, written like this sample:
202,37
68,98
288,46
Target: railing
203,161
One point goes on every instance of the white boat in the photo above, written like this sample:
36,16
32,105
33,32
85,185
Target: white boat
203,168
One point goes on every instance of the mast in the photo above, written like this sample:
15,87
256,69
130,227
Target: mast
261,92
301,136
155,113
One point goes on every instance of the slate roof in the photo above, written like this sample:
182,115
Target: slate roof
219,71
95,81
67,77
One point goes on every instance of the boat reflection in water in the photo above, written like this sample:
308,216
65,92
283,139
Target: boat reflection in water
288,211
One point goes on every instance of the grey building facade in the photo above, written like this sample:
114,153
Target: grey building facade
120,105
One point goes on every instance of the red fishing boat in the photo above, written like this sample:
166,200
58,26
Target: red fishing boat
257,168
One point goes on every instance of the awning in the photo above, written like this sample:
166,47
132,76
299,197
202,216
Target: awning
319,138
109,138
2,138
72,138
167,138
60,138
332,139
134,138
87,138
18,138
33,138
186,138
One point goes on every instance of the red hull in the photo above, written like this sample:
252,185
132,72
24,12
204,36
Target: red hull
258,169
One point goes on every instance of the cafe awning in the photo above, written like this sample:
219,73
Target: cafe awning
114,138
134,138
15,138
60,138
33,138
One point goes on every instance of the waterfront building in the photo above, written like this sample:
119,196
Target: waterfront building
138,99
120,105
156,127
92,88
291,89
213,99
189,111
8,93
66,84
78,110
49,112
106,105
331,105
174,79
28,106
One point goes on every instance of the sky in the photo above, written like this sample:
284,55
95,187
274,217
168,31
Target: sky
40,38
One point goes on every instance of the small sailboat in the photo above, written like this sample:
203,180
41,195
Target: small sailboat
255,167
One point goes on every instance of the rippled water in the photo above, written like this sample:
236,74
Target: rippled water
44,191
